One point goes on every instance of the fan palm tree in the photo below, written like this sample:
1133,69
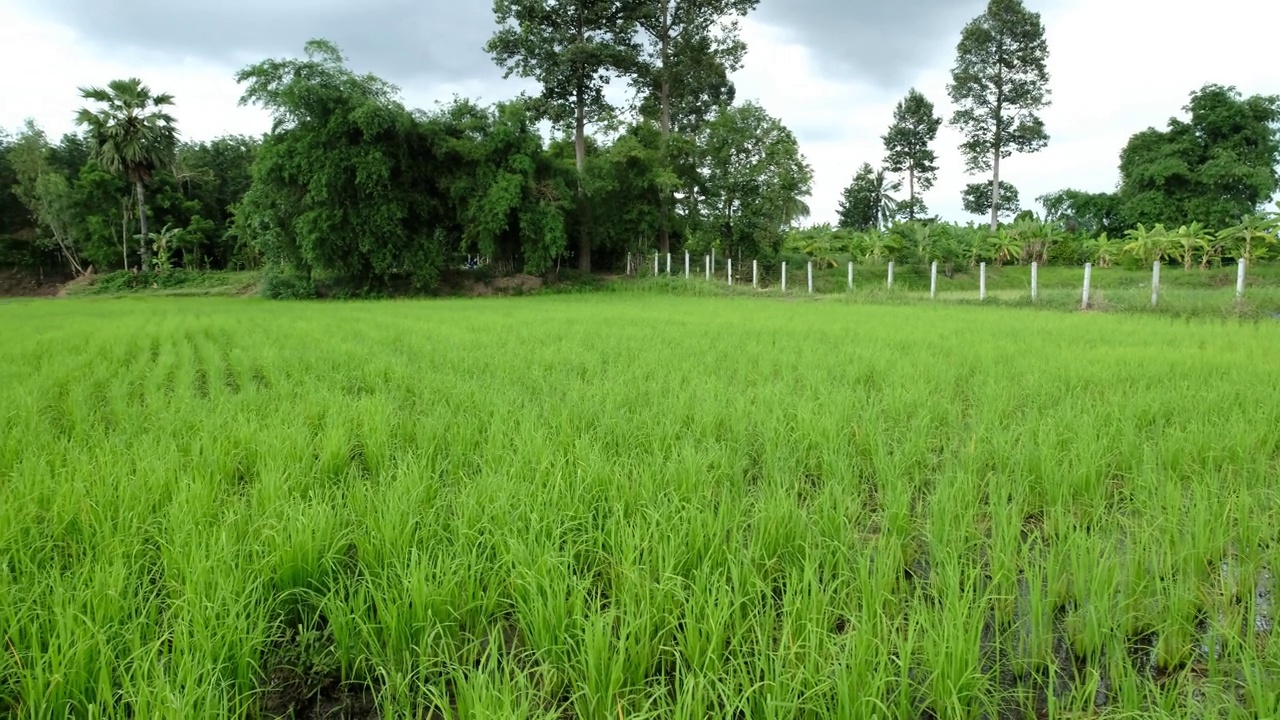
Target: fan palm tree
131,135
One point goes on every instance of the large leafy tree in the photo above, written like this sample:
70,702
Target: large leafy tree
755,180
976,199
915,127
999,82
343,185
131,134
572,48
688,50
867,203
506,197
1215,167
1084,212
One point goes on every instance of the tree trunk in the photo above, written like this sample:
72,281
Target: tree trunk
142,225
911,190
124,231
580,154
664,230
995,193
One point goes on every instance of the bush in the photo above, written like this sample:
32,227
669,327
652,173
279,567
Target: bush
283,285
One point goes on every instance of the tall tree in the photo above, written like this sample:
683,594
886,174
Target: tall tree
572,48
867,204
690,47
906,146
132,135
1216,167
999,82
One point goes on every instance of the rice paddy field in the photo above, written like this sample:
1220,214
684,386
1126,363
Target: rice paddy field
629,505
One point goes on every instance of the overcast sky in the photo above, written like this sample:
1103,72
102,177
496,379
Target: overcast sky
832,70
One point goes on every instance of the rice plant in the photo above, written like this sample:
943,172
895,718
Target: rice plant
631,505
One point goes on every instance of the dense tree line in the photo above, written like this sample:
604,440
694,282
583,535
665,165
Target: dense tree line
351,188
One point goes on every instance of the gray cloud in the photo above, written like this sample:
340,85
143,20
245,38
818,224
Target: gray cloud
885,41
442,40
402,40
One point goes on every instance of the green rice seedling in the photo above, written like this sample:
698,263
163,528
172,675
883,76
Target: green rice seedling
632,502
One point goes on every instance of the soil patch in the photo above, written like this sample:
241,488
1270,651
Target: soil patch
22,283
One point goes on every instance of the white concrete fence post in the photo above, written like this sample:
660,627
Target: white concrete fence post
686,264
755,273
628,263
655,264
1240,271
1088,281
890,285
810,277
933,280
982,282
707,258
1155,283
668,263
1035,281
729,271
784,277
851,275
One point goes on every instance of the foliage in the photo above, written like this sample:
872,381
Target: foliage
754,180
681,71
132,135
915,126
999,82
866,203
976,199
340,188
1085,212
1252,238
570,48
507,198
1216,167
399,505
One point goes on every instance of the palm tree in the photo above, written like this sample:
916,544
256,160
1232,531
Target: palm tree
886,205
130,135
1249,239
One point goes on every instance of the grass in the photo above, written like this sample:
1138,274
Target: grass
634,505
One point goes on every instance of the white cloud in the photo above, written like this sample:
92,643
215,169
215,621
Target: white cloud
48,63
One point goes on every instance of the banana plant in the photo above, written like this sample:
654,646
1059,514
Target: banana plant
1148,245
1005,246
1191,241
1103,251
1253,237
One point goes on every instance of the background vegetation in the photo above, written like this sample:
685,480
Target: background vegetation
353,193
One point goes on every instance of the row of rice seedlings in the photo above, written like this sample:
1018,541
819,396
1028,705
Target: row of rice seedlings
833,524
